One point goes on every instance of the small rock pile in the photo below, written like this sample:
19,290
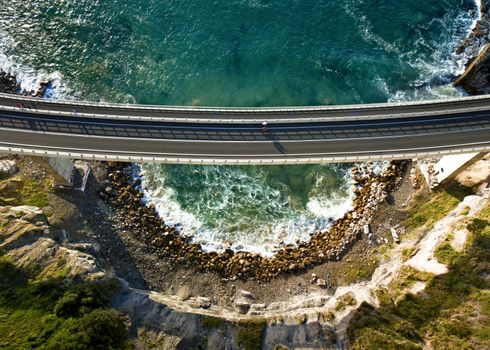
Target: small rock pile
8,167
125,194
479,35
10,85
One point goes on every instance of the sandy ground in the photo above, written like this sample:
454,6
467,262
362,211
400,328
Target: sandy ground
477,174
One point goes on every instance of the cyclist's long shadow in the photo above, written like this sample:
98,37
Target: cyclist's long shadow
270,135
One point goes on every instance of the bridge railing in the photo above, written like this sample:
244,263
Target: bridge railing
244,115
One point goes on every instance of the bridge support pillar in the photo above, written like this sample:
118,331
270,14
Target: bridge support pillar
448,167
60,168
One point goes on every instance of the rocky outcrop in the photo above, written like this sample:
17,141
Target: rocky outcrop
10,85
474,49
476,78
176,329
8,167
26,237
478,36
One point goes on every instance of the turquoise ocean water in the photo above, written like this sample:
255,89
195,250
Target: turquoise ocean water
239,53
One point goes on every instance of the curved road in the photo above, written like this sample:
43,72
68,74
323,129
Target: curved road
235,136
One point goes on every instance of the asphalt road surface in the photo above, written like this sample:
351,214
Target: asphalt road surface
313,136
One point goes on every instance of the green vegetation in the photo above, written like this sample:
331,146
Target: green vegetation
453,312
211,322
55,314
439,205
328,316
407,253
465,211
445,254
17,191
406,278
345,300
358,270
250,334
38,200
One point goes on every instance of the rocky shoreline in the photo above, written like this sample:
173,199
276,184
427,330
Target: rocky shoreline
476,78
10,85
125,194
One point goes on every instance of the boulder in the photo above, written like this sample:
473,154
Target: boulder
8,167
394,234
200,303
476,78
321,283
243,302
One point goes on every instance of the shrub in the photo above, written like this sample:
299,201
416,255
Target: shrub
437,207
250,334
53,314
445,253
345,300
99,329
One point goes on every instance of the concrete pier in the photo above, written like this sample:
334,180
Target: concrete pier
449,167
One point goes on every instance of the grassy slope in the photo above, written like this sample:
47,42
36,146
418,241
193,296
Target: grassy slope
425,214
19,191
454,310
51,314
47,311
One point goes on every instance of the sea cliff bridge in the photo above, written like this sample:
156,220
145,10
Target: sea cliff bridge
203,135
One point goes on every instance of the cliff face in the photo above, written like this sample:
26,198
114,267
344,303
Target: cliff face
476,78
25,237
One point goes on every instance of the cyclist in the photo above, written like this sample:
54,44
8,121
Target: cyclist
264,126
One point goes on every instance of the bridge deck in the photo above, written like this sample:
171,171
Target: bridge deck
235,136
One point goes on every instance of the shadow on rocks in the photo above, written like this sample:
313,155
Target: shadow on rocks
95,220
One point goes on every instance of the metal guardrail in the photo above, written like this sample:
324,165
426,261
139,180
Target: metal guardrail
206,115
180,114
459,100
340,158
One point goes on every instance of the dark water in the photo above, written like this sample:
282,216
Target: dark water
237,52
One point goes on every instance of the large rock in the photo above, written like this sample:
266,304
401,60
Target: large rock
8,167
243,302
26,238
8,83
476,78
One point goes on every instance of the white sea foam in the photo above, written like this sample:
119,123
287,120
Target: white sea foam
365,28
28,77
234,189
256,235
443,61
